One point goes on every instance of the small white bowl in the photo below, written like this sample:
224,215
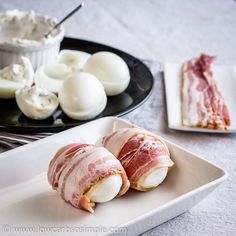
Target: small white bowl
22,34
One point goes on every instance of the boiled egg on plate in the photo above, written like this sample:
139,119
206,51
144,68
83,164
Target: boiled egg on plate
52,75
36,103
73,58
111,70
82,96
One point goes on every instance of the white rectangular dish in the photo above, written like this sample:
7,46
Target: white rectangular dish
28,204
225,75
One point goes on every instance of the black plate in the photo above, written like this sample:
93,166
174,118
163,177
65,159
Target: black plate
139,89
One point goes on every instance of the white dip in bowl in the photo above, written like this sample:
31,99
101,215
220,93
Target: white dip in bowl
22,34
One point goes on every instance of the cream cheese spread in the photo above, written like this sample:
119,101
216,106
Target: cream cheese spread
15,76
36,103
26,28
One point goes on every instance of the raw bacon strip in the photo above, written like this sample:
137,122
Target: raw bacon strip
60,160
202,103
76,168
139,152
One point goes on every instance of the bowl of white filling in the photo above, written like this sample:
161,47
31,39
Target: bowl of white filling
23,34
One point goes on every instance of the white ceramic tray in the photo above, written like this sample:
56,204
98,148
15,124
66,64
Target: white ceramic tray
29,205
225,75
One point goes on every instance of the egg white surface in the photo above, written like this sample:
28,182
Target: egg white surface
111,70
73,58
156,177
106,189
52,75
82,96
36,103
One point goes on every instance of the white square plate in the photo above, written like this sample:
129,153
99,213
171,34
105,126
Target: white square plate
28,204
225,75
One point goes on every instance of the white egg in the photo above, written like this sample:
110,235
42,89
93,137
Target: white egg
15,76
106,189
36,103
52,75
154,178
111,70
73,58
82,96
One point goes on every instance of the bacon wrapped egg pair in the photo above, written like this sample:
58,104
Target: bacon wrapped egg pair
84,174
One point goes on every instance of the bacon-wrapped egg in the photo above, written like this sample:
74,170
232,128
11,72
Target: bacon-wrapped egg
144,156
84,174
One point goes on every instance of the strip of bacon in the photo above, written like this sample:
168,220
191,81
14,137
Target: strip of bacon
76,168
60,160
202,103
139,152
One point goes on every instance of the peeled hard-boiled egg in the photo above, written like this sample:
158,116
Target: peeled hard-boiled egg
73,58
82,96
111,70
52,75
36,103
153,179
15,76
106,189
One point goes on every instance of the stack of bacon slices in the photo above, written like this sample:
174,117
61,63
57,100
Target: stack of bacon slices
203,105
85,174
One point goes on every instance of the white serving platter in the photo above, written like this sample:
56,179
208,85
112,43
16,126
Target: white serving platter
225,75
29,206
